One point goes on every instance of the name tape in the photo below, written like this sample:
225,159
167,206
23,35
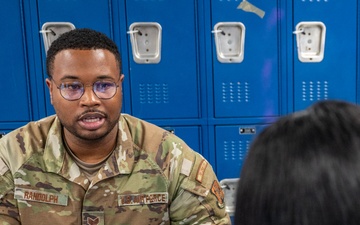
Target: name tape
41,196
143,199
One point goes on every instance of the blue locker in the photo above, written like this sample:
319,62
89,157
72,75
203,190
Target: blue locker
245,93
249,88
168,89
335,77
90,13
232,145
82,14
16,101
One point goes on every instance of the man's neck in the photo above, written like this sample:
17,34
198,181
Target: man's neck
91,151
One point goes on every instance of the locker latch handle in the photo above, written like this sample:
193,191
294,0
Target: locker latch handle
52,30
229,186
145,39
229,41
310,41
247,130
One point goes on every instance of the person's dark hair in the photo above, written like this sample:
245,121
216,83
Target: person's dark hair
304,170
82,39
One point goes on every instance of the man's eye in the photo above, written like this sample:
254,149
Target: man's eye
72,86
103,86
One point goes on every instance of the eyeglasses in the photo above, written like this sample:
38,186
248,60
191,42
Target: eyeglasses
74,90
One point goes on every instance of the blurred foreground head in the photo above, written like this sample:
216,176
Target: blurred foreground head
304,170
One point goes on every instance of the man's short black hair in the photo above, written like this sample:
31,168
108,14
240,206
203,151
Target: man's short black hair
81,39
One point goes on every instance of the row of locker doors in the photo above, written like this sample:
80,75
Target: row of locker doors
215,72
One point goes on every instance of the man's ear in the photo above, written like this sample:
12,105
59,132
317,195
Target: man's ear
50,86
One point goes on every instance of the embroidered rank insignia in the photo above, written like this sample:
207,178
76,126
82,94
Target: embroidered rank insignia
201,171
91,221
219,193
93,218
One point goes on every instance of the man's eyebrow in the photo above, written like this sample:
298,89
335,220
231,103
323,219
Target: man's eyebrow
73,77
105,77
70,77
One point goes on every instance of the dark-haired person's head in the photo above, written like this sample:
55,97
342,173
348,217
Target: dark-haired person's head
80,39
304,169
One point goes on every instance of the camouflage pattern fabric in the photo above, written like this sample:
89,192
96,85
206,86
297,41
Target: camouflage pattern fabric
152,177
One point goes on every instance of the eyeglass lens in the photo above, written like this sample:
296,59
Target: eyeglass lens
74,90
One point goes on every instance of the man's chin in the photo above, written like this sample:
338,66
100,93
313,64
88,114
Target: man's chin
91,136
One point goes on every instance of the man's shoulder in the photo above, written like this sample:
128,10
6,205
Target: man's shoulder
152,138
26,139
33,128
138,126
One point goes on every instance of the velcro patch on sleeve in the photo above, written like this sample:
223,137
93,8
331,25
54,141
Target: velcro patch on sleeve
186,167
219,194
201,171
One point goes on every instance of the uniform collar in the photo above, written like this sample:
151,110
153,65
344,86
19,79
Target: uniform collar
57,160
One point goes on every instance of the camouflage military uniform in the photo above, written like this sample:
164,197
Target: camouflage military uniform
152,177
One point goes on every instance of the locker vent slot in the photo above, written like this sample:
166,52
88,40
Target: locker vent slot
313,1
235,150
235,92
154,93
315,90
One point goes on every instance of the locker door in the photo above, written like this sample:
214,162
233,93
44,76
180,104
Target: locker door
232,144
15,98
92,14
168,88
335,76
249,88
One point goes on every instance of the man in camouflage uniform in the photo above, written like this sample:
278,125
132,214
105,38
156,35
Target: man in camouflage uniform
90,165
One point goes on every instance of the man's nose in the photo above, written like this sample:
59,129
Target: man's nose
89,97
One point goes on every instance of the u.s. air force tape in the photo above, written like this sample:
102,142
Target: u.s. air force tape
143,198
